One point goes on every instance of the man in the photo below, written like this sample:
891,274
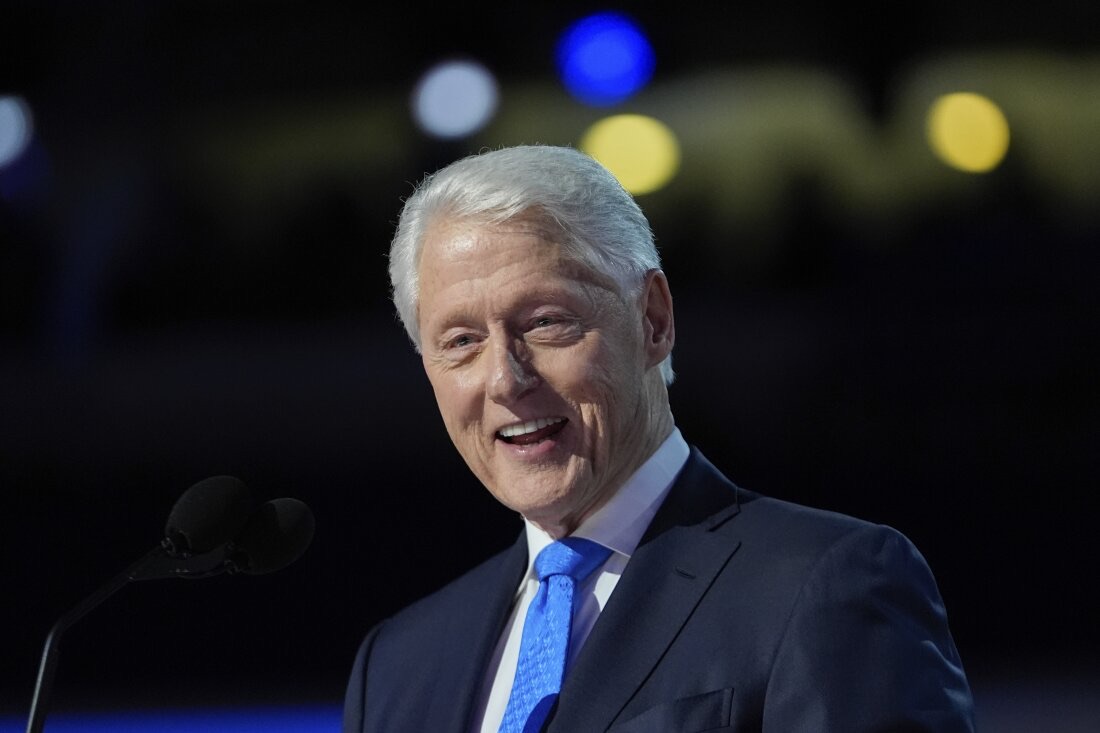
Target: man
528,279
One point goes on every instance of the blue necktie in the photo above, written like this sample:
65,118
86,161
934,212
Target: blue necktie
545,642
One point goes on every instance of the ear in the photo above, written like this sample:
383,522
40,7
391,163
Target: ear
658,324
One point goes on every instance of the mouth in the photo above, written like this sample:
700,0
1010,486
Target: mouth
531,431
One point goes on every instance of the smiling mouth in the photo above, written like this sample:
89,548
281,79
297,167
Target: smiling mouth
532,431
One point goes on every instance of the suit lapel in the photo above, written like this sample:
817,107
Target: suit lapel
474,627
669,573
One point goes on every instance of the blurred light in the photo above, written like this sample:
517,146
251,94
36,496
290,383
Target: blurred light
15,128
302,719
455,99
642,152
605,58
968,132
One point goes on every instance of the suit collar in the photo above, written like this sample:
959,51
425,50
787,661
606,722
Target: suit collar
700,495
475,624
677,560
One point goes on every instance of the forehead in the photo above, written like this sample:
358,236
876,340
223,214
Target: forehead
473,267
456,236
463,248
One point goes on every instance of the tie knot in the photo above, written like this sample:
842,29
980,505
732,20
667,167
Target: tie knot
570,556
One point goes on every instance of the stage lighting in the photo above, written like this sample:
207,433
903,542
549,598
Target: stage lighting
642,152
15,128
454,99
968,132
605,58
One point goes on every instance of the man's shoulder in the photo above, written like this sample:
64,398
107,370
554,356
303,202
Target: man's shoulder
786,529
473,588
440,640
788,533
813,524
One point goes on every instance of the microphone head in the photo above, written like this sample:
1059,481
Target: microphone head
208,515
276,535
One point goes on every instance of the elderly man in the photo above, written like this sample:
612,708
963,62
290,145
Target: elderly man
646,591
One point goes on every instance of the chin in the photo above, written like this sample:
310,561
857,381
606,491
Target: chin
540,504
558,514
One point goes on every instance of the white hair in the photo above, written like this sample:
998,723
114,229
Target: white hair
603,226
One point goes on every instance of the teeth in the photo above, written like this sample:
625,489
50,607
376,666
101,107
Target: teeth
529,427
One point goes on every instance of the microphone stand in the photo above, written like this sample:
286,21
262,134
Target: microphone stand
163,561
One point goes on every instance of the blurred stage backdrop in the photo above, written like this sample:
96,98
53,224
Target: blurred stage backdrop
882,236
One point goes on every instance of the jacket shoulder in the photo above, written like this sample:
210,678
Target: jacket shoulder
476,586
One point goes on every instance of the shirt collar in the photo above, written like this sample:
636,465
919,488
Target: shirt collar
620,523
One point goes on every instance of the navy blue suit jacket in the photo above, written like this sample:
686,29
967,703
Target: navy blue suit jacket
736,613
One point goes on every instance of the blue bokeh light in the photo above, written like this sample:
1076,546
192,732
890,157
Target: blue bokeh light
297,719
605,58
16,128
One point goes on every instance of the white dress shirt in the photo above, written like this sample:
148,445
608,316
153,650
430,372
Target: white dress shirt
619,525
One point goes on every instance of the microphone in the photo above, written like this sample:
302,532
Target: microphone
274,537
214,527
209,514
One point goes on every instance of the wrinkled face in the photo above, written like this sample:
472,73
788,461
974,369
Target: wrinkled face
540,369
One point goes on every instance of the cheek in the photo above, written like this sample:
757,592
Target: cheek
456,396
600,386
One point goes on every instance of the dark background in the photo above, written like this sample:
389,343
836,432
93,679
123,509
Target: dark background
192,282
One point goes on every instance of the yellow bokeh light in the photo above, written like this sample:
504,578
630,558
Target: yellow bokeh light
640,151
968,132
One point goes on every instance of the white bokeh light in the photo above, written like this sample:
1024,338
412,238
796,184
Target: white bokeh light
15,128
455,99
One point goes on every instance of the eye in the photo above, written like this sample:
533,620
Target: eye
552,328
458,341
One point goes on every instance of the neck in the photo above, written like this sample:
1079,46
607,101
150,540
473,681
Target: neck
661,426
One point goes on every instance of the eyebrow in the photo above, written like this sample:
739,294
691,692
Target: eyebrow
461,315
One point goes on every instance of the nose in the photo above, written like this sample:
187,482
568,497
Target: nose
511,374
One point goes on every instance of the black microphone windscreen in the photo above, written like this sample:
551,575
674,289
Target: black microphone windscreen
209,514
277,535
